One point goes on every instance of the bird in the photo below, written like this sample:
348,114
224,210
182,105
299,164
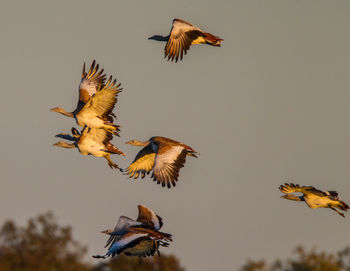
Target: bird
91,141
96,101
147,247
314,198
136,238
163,155
182,36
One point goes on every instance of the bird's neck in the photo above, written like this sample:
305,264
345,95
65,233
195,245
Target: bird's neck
65,113
140,143
66,145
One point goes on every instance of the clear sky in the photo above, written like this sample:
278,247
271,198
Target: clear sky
271,105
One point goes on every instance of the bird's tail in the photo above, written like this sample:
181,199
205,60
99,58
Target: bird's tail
343,206
212,40
113,149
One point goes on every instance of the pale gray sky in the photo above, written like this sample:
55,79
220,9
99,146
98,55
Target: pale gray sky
271,105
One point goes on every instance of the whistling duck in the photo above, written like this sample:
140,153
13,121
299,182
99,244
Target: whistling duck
182,36
136,238
164,155
91,141
96,101
314,198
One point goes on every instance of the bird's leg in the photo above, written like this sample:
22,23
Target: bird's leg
336,211
110,162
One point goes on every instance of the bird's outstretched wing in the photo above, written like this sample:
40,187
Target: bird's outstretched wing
121,228
169,160
182,34
103,101
142,164
149,218
90,82
290,188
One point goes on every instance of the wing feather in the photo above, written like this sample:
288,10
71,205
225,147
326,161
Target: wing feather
143,163
182,34
103,101
290,188
169,160
149,218
90,81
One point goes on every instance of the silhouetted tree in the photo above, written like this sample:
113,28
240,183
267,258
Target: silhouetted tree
41,246
305,261
155,263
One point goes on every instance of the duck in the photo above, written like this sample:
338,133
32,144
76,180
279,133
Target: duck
96,101
136,238
314,198
182,36
165,156
91,141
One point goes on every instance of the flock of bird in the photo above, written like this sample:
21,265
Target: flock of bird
161,155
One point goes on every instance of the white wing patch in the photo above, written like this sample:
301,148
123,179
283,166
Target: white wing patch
167,158
88,85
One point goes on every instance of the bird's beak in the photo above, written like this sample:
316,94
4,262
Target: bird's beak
105,231
56,144
128,142
284,197
53,109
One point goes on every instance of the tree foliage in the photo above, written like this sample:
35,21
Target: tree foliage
305,261
43,245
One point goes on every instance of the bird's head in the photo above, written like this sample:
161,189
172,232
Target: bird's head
107,231
57,109
159,38
75,132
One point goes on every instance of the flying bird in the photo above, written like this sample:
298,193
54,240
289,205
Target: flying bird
314,198
163,155
147,247
182,36
96,101
91,141
136,238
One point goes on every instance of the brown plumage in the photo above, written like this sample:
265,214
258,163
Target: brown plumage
163,155
182,36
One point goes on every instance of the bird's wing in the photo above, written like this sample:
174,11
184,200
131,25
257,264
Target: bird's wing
169,160
90,82
125,222
181,36
128,240
149,218
122,226
145,248
103,101
143,163
290,188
